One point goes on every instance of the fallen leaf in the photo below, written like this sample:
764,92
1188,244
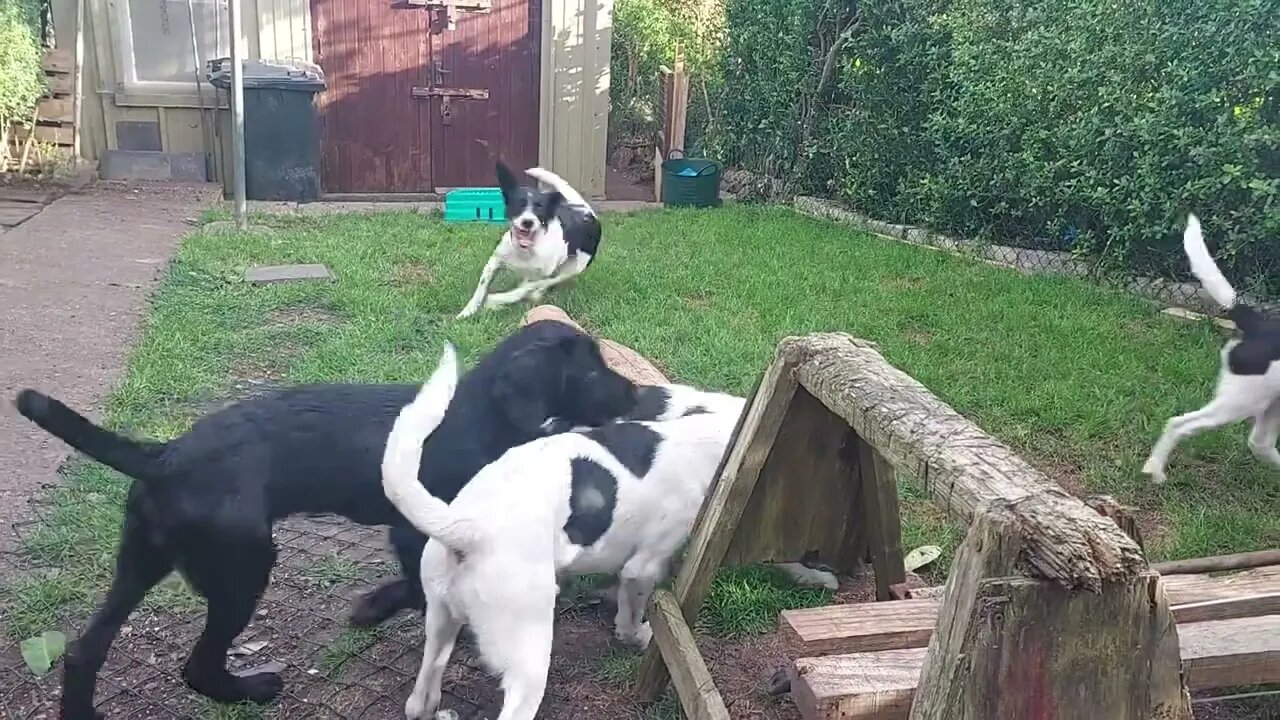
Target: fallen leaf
43,650
248,648
921,556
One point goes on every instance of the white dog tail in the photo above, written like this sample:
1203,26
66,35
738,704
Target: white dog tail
558,184
403,457
1203,266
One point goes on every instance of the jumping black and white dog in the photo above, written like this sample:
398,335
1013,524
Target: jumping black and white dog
1249,375
618,499
204,503
553,236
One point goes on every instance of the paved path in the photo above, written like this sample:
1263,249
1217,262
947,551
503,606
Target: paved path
74,281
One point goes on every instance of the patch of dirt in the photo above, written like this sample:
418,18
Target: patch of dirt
700,301
412,274
917,336
903,282
295,315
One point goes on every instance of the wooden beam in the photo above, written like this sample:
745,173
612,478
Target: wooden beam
718,518
882,685
868,627
963,469
697,691
59,110
44,133
58,61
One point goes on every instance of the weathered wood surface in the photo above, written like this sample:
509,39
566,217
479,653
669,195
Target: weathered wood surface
963,468
1078,653
859,686
624,360
807,497
1217,563
718,518
881,518
698,694
868,627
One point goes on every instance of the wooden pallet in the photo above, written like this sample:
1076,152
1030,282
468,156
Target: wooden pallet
863,662
56,112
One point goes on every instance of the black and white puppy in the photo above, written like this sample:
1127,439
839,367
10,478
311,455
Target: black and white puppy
1248,377
553,237
204,503
620,499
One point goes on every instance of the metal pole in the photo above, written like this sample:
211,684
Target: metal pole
237,116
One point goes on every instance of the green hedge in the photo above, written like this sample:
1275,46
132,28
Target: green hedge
1089,125
21,77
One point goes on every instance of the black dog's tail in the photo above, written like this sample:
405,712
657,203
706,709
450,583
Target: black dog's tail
140,460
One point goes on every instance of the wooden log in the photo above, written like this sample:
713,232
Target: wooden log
868,627
1218,563
697,691
1014,645
963,468
1108,506
718,518
624,360
882,685
58,62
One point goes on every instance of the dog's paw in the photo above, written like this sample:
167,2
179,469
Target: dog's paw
467,312
638,637
1155,471
447,714
261,687
414,707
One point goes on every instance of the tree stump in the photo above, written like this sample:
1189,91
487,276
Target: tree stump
1018,641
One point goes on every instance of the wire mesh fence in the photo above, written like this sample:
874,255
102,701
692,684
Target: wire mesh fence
331,671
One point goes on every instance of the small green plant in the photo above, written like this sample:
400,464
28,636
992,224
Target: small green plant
618,666
346,647
332,569
746,600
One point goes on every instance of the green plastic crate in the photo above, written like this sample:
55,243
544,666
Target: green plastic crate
474,205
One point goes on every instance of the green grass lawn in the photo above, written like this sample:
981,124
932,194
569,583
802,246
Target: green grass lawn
1078,378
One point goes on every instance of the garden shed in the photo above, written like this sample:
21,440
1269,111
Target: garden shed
422,95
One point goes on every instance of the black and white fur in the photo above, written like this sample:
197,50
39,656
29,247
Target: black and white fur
620,499
204,503
552,238
1249,376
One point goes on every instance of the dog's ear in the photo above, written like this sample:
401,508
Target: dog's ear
521,389
551,203
507,180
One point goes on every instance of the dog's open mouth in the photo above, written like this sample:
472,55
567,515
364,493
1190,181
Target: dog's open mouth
522,237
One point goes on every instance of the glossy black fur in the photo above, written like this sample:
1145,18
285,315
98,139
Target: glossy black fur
1259,344
204,503
581,227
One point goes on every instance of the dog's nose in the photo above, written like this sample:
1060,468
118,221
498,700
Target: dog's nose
526,223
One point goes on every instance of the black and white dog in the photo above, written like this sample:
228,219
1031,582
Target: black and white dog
1249,375
618,499
204,503
553,237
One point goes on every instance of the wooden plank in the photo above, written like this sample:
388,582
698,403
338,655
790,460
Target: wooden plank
785,519
59,110
867,627
59,62
874,685
963,469
1235,561
881,517
48,134
59,85
697,691
718,518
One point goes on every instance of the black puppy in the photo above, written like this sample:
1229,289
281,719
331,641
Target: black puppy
204,503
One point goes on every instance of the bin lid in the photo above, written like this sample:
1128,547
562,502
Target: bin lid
270,74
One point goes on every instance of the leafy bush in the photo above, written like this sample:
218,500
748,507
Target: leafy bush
646,34
21,76
1087,125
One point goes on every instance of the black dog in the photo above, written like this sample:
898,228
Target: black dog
204,503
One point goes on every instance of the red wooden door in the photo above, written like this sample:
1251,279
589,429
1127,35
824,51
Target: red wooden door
394,117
